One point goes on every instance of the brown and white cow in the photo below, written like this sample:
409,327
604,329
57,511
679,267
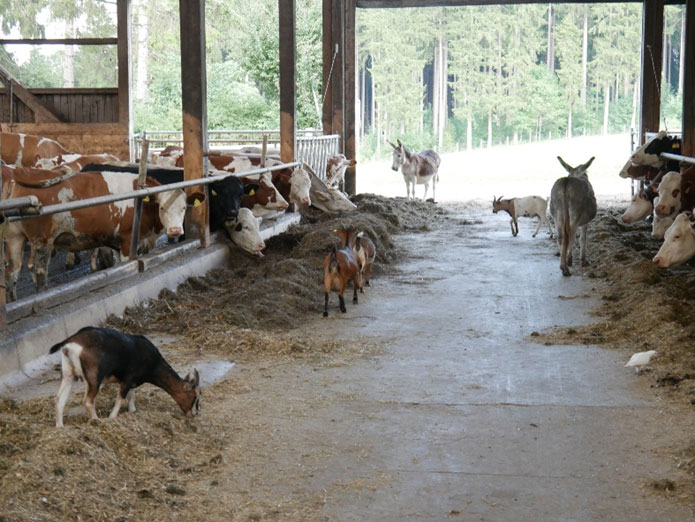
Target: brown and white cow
22,150
74,161
676,194
679,242
104,225
264,201
294,185
336,166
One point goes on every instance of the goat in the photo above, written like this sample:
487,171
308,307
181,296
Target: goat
528,206
103,355
339,267
365,253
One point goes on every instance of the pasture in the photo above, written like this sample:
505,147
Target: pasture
472,381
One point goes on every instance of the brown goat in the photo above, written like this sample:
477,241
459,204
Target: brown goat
339,267
365,252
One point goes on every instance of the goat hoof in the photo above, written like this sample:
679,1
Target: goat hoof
343,310
367,284
325,314
354,301
566,272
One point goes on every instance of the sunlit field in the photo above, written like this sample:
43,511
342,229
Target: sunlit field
512,170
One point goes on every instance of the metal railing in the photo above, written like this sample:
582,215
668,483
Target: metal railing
313,148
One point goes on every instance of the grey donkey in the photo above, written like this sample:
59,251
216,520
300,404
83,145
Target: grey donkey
572,205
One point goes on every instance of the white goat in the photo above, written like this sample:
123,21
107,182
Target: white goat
529,206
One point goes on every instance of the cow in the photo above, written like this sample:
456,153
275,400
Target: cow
167,157
225,199
679,242
264,201
22,150
529,206
74,161
676,193
104,225
336,166
649,154
245,233
417,169
294,185
572,205
641,206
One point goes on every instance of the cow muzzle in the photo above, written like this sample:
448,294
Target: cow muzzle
258,251
174,232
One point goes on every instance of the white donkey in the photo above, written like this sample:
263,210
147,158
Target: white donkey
417,169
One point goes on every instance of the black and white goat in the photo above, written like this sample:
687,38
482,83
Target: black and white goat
103,355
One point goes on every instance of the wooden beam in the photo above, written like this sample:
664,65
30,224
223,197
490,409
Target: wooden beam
288,79
652,45
371,4
329,52
194,104
60,41
688,145
337,84
350,94
41,113
124,68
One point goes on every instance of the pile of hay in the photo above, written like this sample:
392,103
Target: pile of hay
281,288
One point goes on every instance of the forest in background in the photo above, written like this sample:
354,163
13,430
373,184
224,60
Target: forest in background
450,78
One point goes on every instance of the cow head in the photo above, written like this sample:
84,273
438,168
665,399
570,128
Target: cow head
640,207
172,209
225,197
300,185
245,232
579,171
679,242
648,154
669,203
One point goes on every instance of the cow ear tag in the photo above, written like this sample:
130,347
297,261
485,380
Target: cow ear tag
196,203
147,199
252,192
214,193
228,223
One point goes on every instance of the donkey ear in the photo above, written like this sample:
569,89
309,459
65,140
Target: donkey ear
588,163
399,143
567,167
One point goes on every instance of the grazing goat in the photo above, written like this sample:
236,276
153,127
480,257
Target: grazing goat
103,355
529,206
339,267
572,205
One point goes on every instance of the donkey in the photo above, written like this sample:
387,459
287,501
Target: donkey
572,205
417,169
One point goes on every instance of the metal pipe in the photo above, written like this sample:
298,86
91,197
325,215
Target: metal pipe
18,203
678,157
103,200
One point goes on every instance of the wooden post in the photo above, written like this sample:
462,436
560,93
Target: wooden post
124,67
329,51
193,98
288,80
688,144
652,45
349,78
137,215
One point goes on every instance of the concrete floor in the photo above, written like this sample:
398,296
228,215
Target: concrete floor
464,418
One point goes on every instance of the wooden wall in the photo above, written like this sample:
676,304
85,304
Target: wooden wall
80,138
69,105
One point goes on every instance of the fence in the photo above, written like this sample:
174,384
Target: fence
313,148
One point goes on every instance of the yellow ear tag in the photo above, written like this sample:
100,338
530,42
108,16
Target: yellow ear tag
675,146
687,190
196,202
252,192
228,223
335,230
214,193
147,199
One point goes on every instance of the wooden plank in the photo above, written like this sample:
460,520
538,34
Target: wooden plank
288,79
652,44
688,145
350,94
193,102
3,297
124,66
62,90
60,41
338,76
41,113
